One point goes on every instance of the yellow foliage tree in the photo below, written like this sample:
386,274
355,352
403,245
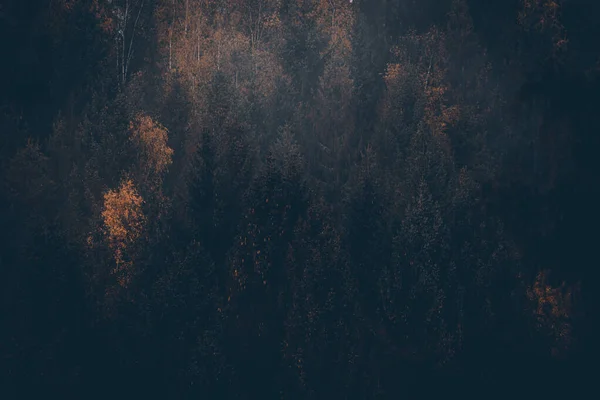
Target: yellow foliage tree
124,223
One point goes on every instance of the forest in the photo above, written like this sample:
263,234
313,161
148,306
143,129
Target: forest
298,199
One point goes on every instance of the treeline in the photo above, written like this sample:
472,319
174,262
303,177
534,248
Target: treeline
296,199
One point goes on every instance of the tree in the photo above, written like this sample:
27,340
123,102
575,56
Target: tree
126,27
331,115
155,156
124,225
259,292
303,47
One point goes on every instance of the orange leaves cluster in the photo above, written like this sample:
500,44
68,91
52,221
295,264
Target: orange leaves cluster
549,300
544,15
67,5
545,12
335,19
553,307
438,115
103,15
395,78
151,140
393,74
124,222
420,68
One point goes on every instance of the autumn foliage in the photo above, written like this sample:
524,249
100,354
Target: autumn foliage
150,138
123,226
299,199
553,308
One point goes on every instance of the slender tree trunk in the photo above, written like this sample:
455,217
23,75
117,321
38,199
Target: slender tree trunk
117,57
133,30
198,53
171,38
124,27
219,55
187,5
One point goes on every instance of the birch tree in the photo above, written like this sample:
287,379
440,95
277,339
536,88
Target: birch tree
127,23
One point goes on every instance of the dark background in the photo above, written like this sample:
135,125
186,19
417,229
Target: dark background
326,227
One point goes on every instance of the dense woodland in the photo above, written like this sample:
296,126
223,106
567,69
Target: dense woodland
290,199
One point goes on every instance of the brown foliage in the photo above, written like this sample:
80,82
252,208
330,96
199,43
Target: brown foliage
420,69
150,138
103,15
123,225
553,307
544,16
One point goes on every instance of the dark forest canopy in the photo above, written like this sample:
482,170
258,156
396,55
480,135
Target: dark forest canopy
297,198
